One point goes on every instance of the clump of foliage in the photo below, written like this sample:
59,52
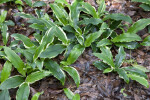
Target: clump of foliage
145,4
69,31
108,65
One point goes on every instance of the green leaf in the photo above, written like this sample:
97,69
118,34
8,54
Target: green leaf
74,54
16,80
146,7
58,32
52,51
38,51
6,71
92,37
108,70
3,14
26,41
142,1
55,69
37,26
48,37
36,76
76,97
146,41
69,93
126,37
100,65
87,21
15,60
118,16
120,57
122,74
134,70
4,95
73,73
104,42
23,15
36,96
102,7
106,59
139,25
91,10
23,92
5,34
39,63
29,2
60,14
39,4
142,68
128,45
48,23
62,1
139,79
75,12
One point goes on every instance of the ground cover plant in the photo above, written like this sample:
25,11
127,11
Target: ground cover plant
145,4
69,31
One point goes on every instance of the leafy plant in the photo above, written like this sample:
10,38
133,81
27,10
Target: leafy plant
145,4
108,65
67,33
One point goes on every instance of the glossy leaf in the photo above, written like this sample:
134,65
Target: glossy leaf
126,37
74,54
23,15
52,51
128,45
36,76
142,68
38,51
5,34
118,16
122,74
102,7
48,37
37,26
146,41
48,23
104,42
60,34
4,95
92,37
26,41
90,9
100,65
15,60
134,70
108,70
74,74
139,25
139,79
120,57
142,1
146,7
87,21
107,59
55,70
16,80
69,93
36,96
76,97
3,14
60,14
23,92
6,71
39,4
29,2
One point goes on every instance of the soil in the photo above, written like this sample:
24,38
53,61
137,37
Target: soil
94,84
